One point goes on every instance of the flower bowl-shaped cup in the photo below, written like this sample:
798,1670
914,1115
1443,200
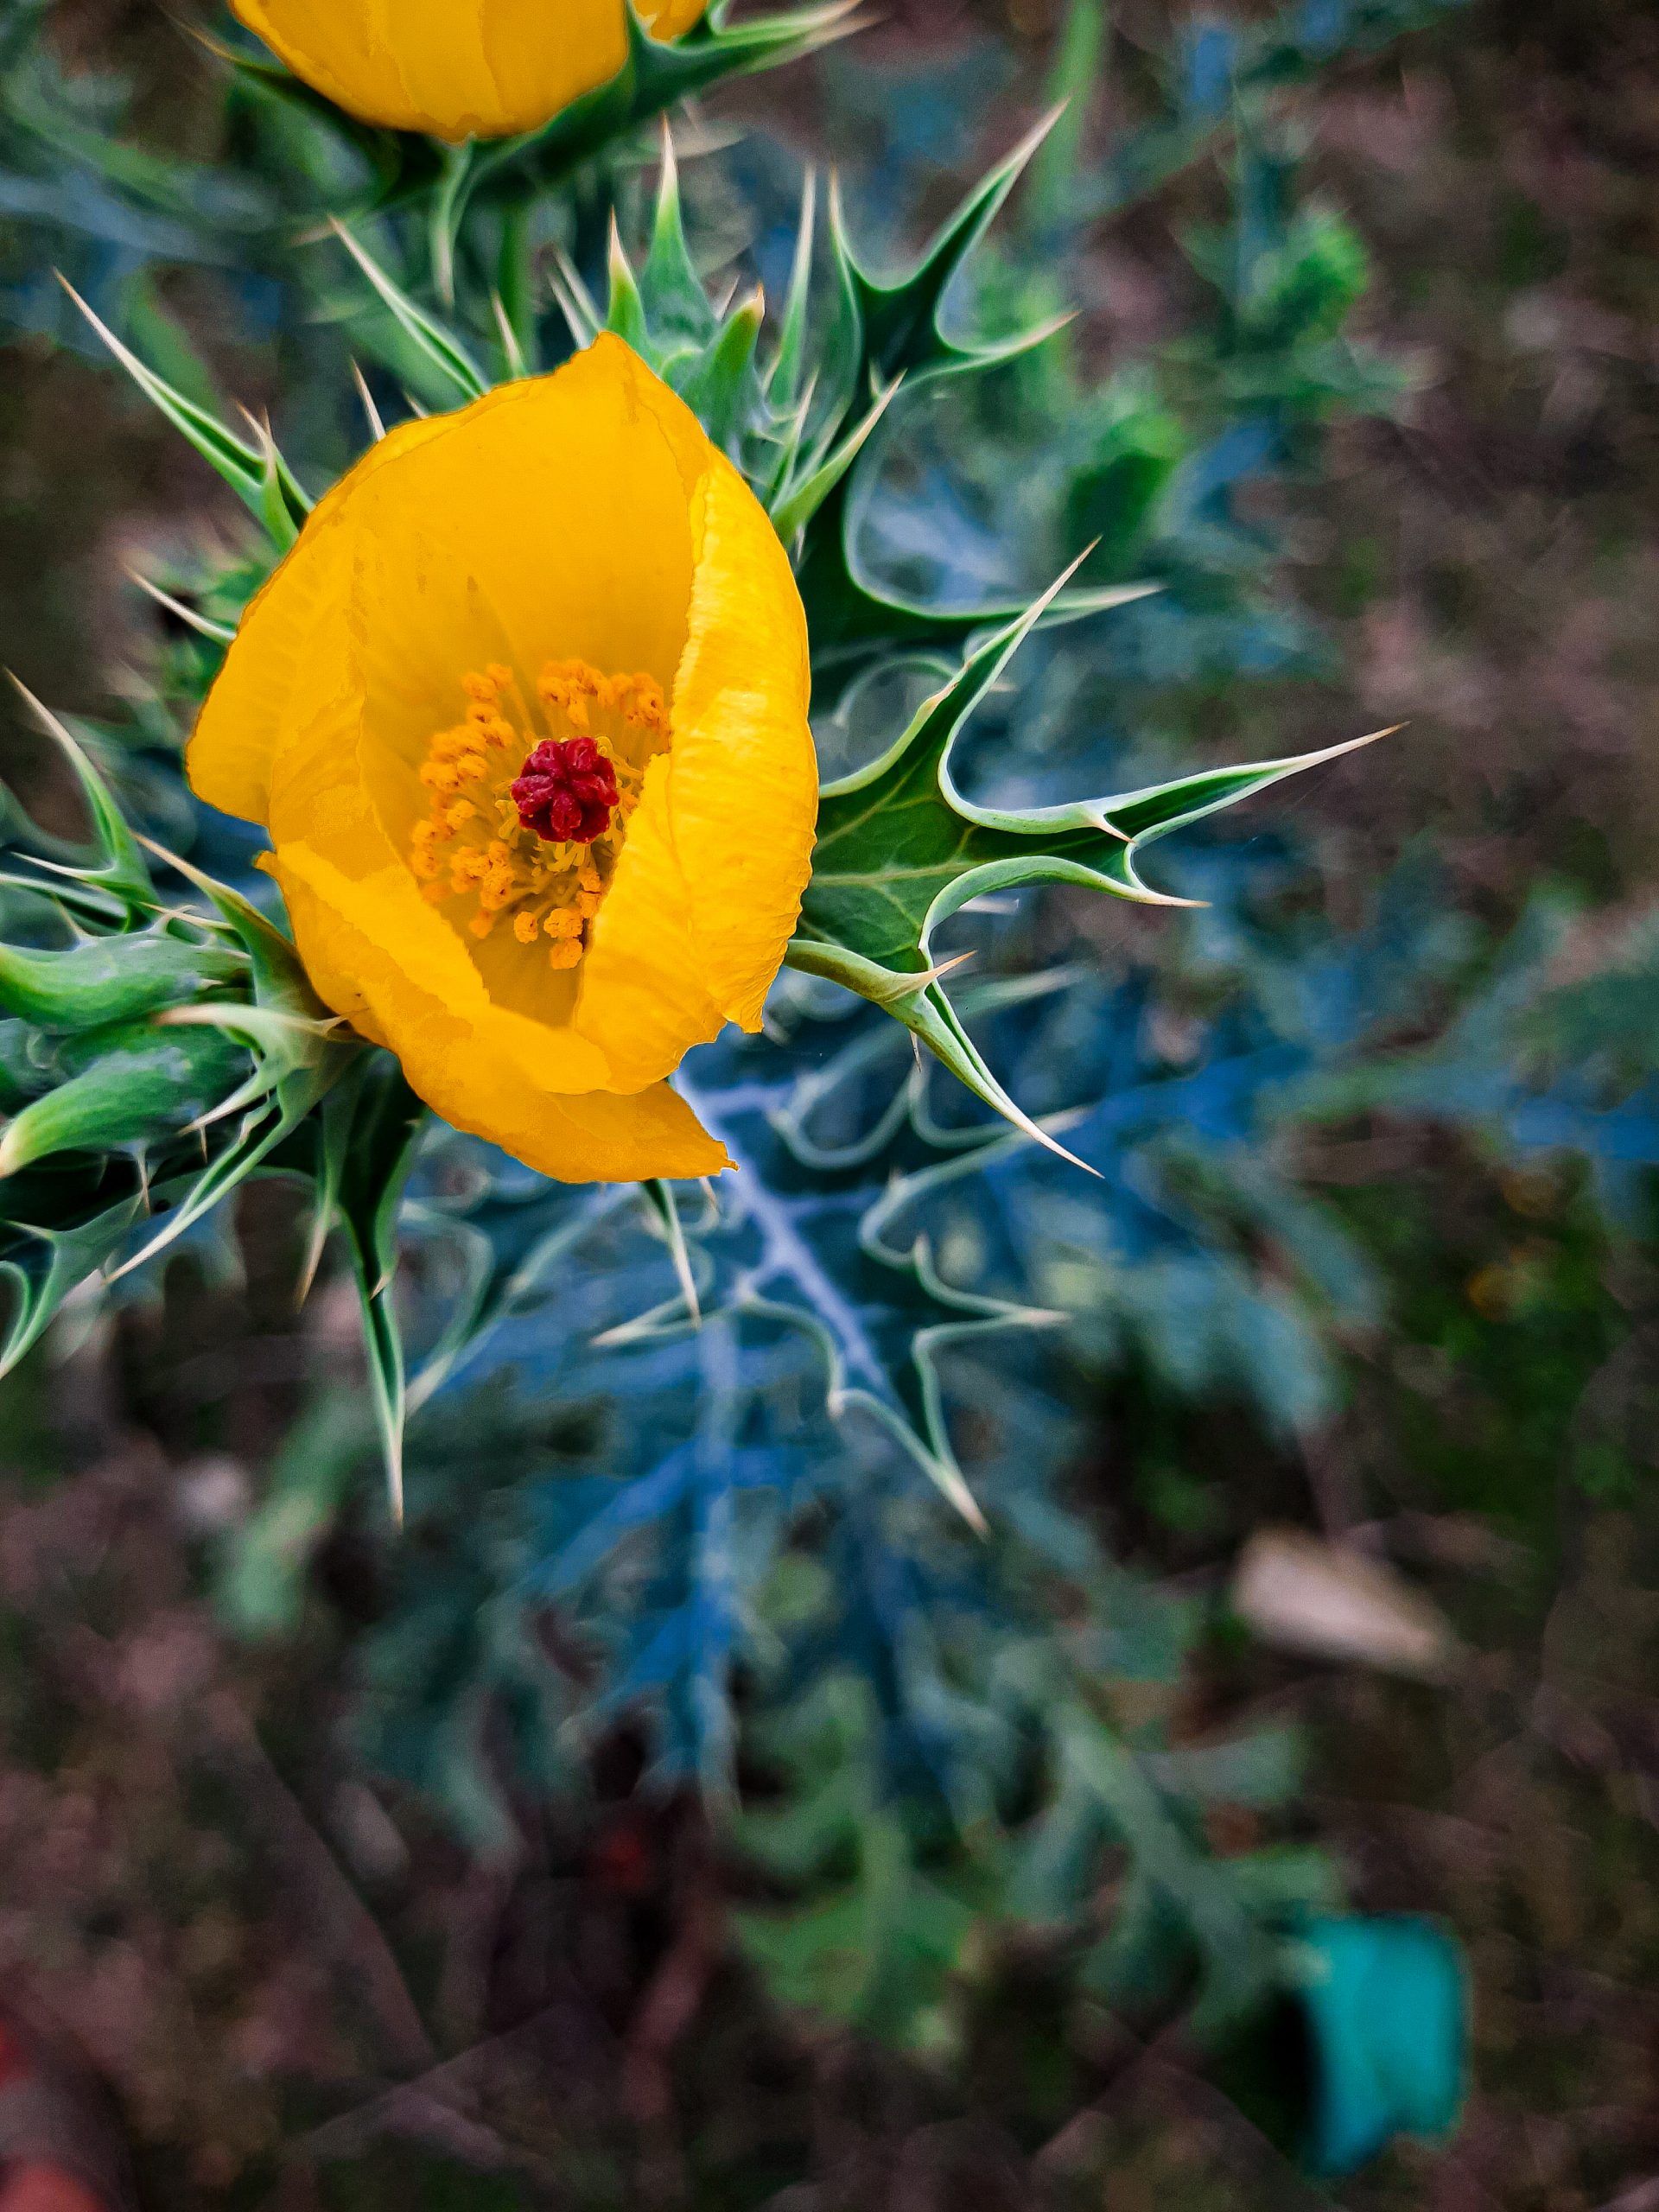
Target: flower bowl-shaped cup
457,69
524,713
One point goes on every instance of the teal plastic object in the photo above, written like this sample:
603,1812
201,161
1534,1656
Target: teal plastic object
1385,2004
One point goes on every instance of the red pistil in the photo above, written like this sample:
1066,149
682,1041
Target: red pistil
565,791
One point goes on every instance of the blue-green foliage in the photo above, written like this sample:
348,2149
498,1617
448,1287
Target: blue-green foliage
77,195
708,1465
1221,68
1535,1063
897,1294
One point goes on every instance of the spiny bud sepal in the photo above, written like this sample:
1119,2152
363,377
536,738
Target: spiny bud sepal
167,1053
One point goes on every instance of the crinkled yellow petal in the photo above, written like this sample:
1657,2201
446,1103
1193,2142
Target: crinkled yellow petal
550,518
276,677
708,886
643,999
743,786
326,835
456,68
468,1071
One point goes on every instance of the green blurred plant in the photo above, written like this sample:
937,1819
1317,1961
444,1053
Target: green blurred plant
744,1553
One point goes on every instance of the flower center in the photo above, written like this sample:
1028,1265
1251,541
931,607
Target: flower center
566,790
530,827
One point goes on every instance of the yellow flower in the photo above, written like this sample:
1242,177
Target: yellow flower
457,68
524,713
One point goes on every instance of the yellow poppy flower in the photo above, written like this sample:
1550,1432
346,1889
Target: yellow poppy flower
524,712
457,68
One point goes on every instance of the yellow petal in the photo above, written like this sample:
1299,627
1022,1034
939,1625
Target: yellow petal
456,68
407,966
270,680
550,519
743,785
644,1002
547,519
708,886
468,1070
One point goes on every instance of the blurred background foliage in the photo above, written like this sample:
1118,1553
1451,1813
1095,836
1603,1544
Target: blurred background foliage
688,1809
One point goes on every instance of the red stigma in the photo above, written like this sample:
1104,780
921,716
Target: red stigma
565,791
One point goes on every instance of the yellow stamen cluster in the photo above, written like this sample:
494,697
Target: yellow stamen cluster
473,845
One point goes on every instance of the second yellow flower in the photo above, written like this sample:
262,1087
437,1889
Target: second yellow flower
457,68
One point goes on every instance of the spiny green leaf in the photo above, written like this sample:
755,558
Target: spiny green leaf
504,1275
900,319
437,344
659,1196
291,1052
514,298
680,305
884,330
708,357
784,380
407,168
43,1261
901,850
273,1111
282,1043
722,390
371,1122
625,310
448,205
856,623
655,77
218,633
575,302
257,474
403,165
120,873
90,909
192,1198
924,1010
889,1376
280,510
798,503
296,1064
279,976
